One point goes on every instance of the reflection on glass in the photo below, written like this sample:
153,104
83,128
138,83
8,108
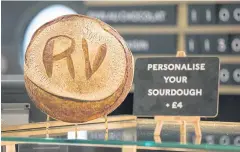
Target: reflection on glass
80,135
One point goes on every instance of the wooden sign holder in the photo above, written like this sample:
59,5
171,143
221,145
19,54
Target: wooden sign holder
183,120
183,139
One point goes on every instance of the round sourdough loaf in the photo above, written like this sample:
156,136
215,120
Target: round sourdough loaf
77,68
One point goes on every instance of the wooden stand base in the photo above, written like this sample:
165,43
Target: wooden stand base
11,148
197,139
47,126
106,128
76,131
183,120
129,148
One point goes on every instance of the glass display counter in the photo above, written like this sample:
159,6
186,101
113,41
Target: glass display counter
128,134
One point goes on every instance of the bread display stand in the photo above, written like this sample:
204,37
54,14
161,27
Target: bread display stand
50,127
54,127
76,127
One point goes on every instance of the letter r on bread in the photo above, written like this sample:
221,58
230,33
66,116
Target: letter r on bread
49,57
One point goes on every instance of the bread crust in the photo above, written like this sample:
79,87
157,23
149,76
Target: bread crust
73,110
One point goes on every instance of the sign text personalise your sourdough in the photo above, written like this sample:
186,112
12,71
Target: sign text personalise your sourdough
176,79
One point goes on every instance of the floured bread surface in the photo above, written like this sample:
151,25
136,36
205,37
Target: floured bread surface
76,57
77,69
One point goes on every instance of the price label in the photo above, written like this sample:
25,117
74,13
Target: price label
176,86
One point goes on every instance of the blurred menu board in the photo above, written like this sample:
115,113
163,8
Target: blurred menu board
213,14
213,44
141,15
225,41
215,31
151,43
135,15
